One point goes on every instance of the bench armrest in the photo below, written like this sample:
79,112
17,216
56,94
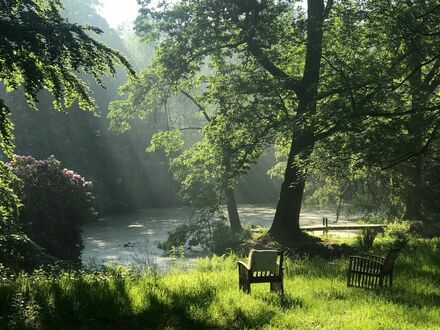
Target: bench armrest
374,257
242,264
243,270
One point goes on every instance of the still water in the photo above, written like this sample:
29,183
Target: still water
132,238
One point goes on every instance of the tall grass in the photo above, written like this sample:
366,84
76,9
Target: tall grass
207,297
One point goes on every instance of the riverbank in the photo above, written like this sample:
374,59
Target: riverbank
207,297
132,238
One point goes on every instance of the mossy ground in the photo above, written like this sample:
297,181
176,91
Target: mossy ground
207,297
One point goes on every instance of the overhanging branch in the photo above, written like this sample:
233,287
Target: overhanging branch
421,151
268,65
341,126
198,105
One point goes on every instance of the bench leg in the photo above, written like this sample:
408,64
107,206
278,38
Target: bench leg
244,286
277,287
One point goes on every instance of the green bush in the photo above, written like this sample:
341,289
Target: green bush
223,240
365,239
374,219
399,231
203,230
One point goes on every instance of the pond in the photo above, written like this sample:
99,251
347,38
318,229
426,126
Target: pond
132,238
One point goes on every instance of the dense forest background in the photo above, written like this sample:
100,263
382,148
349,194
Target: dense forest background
124,176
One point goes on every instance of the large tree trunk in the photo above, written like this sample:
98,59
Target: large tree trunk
418,102
231,203
234,218
414,190
286,222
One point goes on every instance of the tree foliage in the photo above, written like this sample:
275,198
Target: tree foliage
387,148
254,70
40,49
339,77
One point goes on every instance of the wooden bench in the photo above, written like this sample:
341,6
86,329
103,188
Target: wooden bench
371,271
264,266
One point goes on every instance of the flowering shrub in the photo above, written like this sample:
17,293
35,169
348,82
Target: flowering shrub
56,203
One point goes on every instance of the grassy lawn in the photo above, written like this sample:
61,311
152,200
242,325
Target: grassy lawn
207,297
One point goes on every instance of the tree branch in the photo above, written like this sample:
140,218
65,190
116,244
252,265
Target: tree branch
341,127
327,9
198,105
268,65
432,73
414,71
190,128
207,51
422,150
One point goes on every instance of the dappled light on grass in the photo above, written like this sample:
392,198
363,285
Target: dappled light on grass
207,296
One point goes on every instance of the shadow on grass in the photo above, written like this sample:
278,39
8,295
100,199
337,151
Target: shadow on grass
413,271
176,314
116,311
410,298
243,320
84,304
304,245
101,301
285,301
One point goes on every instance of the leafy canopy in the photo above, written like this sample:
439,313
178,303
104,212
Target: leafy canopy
39,49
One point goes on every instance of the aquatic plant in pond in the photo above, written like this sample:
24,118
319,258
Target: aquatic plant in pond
206,231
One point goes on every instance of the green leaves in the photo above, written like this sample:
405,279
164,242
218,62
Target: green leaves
6,127
201,175
253,67
168,141
40,49
9,202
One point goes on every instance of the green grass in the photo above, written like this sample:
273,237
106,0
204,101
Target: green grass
207,297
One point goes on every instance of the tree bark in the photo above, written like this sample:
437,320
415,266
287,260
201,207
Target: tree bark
231,203
418,102
286,222
234,218
414,190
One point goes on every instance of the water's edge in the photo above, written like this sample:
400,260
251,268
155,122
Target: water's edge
132,238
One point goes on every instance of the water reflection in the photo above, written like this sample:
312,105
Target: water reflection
132,238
